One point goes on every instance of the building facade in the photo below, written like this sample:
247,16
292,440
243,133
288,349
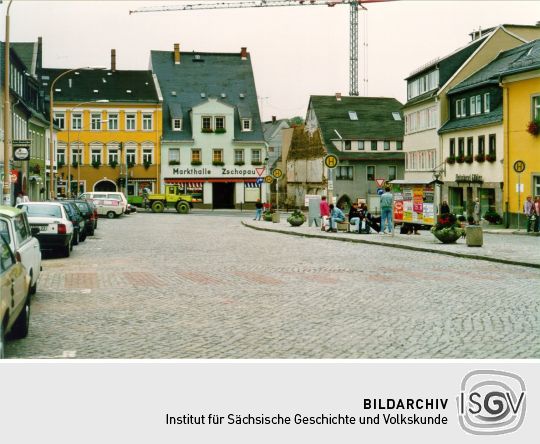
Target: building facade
213,142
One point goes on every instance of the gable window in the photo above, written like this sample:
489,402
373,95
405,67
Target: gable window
196,155
246,124
386,145
361,145
256,156
112,122
96,121
60,120
487,100
348,145
344,173
396,115
392,172
147,122
353,115
130,122
370,172
492,145
481,145
217,155
76,121
219,122
206,123
399,145
373,145
469,146
176,124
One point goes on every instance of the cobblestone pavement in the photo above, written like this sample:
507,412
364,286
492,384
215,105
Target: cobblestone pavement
205,286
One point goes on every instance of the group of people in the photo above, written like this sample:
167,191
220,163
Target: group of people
531,209
21,197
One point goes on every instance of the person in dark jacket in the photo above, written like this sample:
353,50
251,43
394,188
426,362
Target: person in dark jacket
258,210
445,209
354,218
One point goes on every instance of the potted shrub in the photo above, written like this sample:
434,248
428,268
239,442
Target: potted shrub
491,158
196,163
480,158
469,159
297,218
492,217
460,159
451,160
36,169
447,229
267,215
533,127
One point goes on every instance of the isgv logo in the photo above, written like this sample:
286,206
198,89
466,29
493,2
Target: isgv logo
491,402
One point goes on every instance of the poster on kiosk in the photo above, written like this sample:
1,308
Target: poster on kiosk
414,202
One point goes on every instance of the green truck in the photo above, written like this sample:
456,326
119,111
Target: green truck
172,198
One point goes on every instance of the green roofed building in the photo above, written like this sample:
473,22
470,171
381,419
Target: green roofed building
213,141
364,133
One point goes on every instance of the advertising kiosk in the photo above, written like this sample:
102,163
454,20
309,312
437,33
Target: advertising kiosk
414,201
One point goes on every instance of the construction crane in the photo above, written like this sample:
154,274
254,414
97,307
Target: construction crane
353,22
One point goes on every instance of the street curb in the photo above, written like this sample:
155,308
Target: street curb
403,247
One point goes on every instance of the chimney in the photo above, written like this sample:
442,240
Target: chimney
338,97
274,119
113,60
177,53
243,53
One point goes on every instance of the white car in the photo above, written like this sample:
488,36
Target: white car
15,230
114,195
108,207
55,229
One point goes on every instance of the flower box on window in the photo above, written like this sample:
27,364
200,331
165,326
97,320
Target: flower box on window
196,162
96,163
218,163
207,130
256,162
480,157
174,162
451,160
147,164
60,164
75,164
491,157
130,164
469,159
460,159
533,127
220,130
113,163
240,163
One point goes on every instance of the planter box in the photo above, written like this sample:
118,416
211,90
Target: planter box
275,218
475,236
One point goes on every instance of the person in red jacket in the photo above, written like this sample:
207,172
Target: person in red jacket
325,213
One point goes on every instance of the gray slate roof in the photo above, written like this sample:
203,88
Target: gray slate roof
214,74
375,120
495,116
525,57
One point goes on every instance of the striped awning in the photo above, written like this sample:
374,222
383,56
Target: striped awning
189,182
252,185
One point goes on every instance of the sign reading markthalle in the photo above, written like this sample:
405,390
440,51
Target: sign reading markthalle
21,149
211,171
331,161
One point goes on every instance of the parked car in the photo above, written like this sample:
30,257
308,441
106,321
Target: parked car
77,219
55,228
14,297
116,195
15,230
87,210
108,207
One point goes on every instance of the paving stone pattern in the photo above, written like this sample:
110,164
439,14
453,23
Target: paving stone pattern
200,286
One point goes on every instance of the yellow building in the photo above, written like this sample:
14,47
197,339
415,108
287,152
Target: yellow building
110,123
521,102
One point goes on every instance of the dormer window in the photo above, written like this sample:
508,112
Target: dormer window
353,115
177,124
246,124
206,124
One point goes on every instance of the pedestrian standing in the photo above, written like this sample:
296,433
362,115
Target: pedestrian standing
445,209
336,216
537,211
258,210
325,213
387,206
528,211
476,211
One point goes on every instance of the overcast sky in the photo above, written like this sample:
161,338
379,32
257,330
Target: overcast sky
296,51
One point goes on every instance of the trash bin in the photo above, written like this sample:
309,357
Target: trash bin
474,235
275,218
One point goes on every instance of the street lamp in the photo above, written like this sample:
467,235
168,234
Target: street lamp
6,189
68,154
51,125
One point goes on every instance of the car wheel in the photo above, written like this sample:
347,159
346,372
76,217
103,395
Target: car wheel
182,207
2,342
82,237
158,207
22,323
111,215
33,288
67,250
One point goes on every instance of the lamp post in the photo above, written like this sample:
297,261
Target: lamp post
68,154
52,193
6,188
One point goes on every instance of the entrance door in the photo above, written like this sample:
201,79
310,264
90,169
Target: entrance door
223,195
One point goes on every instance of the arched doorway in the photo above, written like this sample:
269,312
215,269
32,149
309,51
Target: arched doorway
105,185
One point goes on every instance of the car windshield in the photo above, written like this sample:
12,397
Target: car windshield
42,210
83,206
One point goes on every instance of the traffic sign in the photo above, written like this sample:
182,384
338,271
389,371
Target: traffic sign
380,191
380,182
268,179
260,171
519,166
259,180
277,173
331,161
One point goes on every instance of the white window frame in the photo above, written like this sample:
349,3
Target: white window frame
222,126
206,123
60,119
95,121
96,154
176,124
174,155
148,153
131,121
256,155
246,124
217,155
239,155
395,172
197,158
536,107
76,121
131,153
147,122
487,102
113,153
112,122
77,153
61,154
